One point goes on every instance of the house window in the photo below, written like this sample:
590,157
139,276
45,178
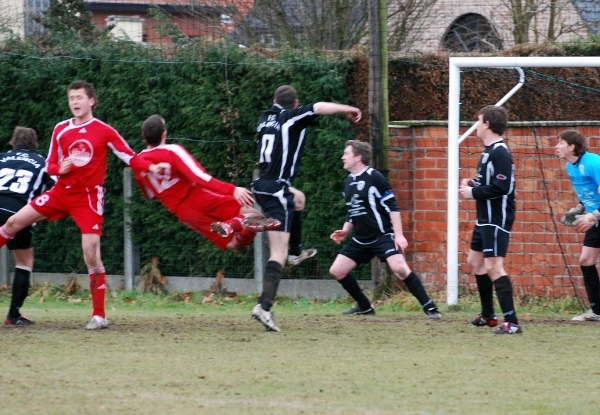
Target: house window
471,32
127,27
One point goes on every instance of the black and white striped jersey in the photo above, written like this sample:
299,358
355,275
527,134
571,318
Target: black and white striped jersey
494,187
281,141
22,175
369,201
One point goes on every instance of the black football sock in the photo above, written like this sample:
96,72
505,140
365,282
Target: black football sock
504,292
273,274
296,234
414,285
486,294
20,290
351,285
592,286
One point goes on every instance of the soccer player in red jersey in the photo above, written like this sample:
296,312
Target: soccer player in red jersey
221,212
78,157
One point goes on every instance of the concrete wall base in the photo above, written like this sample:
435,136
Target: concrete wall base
320,289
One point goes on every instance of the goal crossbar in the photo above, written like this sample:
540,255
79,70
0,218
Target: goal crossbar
454,139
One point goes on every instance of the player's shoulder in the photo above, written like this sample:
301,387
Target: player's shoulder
34,155
500,145
63,124
499,149
101,125
373,173
174,148
591,156
168,150
303,109
590,161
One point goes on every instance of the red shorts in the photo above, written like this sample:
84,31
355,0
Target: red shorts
84,205
202,208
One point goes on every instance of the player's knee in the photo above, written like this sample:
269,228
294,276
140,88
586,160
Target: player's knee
477,266
587,262
495,272
12,226
402,273
338,274
91,257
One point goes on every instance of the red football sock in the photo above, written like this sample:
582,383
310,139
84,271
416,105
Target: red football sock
244,237
4,237
98,290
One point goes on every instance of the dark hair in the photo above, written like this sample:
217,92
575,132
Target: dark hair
496,116
360,148
153,129
575,138
24,138
286,96
90,91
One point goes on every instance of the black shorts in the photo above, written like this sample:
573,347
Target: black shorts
23,239
361,253
592,237
491,240
276,201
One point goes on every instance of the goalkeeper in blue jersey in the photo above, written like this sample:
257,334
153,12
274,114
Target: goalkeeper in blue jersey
494,192
583,169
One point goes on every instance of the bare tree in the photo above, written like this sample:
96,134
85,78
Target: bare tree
406,18
332,24
538,21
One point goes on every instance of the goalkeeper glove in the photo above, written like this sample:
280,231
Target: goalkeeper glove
569,217
589,219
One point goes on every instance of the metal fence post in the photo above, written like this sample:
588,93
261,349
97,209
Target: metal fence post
4,266
260,250
130,251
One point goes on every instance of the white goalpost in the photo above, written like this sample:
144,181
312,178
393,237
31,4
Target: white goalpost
454,138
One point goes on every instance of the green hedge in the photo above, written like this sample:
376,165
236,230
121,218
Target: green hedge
211,97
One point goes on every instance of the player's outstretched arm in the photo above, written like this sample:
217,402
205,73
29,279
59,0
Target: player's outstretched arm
330,108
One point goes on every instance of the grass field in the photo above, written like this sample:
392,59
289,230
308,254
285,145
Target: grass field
161,356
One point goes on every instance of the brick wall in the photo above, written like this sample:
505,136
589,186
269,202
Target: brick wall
543,254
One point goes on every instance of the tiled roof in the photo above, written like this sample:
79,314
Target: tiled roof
589,10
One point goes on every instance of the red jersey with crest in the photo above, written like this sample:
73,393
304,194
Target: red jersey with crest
172,187
87,145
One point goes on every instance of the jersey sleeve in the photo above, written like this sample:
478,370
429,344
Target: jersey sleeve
189,167
121,149
53,159
501,181
303,115
387,198
594,172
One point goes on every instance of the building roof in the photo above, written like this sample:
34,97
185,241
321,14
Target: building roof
589,10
